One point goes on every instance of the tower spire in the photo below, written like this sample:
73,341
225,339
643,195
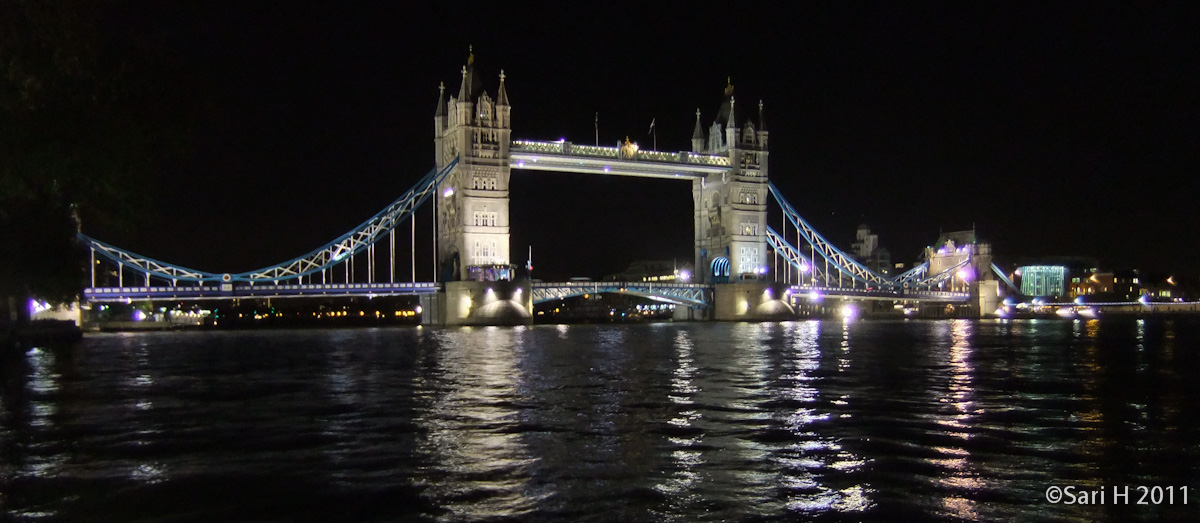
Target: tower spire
502,97
698,135
729,124
441,108
762,121
462,90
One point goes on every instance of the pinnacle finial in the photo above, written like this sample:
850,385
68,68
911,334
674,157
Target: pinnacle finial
442,86
464,71
502,76
697,113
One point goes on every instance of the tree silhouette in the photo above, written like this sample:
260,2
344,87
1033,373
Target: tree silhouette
87,113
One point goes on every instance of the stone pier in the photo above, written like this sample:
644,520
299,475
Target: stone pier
751,301
480,303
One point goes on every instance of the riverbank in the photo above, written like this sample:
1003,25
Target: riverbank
40,332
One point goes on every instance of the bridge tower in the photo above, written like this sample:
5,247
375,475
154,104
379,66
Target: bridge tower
472,206
731,218
473,227
731,207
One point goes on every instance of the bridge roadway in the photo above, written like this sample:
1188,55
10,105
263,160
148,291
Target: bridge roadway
680,293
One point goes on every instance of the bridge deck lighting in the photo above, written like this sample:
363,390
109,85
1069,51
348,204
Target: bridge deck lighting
848,312
448,192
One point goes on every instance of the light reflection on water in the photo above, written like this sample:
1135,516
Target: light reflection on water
478,459
842,421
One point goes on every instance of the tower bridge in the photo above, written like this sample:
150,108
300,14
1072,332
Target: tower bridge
745,270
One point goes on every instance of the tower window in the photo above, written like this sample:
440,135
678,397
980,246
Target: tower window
484,219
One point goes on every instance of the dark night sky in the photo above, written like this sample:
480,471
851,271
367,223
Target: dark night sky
1058,129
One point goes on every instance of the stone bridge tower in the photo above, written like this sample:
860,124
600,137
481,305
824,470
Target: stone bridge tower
472,210
731,207
473,226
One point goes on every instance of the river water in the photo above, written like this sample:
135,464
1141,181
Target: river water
954,420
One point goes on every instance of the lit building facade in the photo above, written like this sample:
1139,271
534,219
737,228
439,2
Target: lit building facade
1043,280
731,207
472,203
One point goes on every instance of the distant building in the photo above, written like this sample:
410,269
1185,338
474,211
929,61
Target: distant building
1127,284
1092,284
1161,288
1055,276
954,249
1043,280
1123,285
867,251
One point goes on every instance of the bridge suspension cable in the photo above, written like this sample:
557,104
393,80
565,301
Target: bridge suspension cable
802,264
337,251
841,261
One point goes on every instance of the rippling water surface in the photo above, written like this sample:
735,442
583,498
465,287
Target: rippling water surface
821,420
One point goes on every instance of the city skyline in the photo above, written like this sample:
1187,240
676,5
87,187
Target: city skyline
1051,131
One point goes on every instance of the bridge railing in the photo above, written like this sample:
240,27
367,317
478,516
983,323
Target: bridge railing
592,150
683,293
820,292
228,290
595,151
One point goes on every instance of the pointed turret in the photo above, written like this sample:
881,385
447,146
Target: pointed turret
439,115
503,111
731,131
441,107
463,93
502,98
729,122
462,112
762,127
698,135
762,122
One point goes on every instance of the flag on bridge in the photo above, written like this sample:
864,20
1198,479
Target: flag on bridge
651,126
